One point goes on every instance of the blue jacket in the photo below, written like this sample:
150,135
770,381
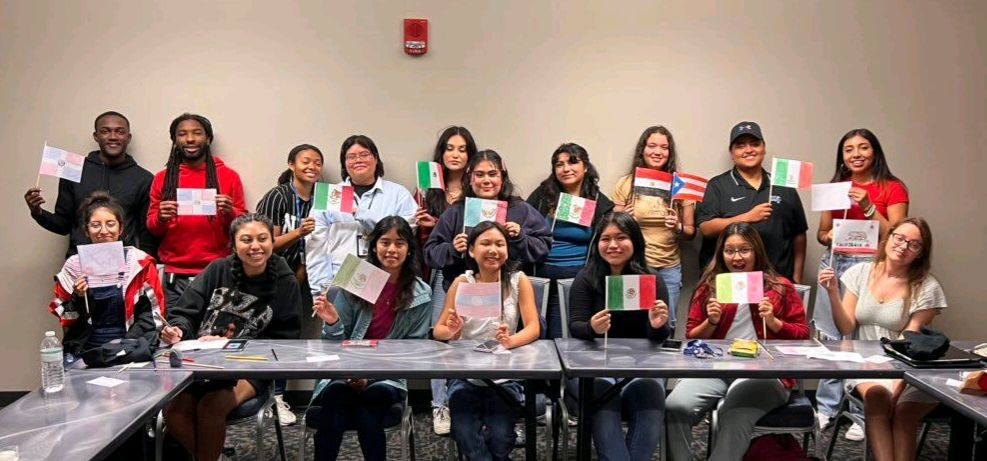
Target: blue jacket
412,322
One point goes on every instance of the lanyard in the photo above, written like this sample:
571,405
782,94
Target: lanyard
702,350
298,216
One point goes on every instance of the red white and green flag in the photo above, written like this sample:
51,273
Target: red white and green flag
333,197
360,278
478,210
630,292
430,176
652,182
791,173
576,210
740,287
61,163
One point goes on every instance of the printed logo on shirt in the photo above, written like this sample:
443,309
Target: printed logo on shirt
776,199
736,199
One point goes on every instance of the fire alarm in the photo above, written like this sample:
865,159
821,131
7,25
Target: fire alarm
416,36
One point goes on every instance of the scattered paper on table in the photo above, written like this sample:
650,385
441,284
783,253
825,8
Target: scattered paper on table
954,383
837,356
321,358
879,359
501,350
801,350
194,344
106,381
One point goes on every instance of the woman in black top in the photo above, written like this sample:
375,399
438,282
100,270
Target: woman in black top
249,294
617,249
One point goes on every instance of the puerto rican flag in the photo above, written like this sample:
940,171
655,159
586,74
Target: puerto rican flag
652,182
688,187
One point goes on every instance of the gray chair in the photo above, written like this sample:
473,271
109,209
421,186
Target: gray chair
540,286
398,420
798,416
564,285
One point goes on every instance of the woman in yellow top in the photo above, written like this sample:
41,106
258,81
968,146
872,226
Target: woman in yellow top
662,224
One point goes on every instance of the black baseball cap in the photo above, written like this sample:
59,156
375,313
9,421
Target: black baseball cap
748,128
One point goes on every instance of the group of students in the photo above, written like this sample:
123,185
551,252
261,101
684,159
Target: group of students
258,275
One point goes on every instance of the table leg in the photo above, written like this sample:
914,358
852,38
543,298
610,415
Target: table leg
961,437
530,430
583,430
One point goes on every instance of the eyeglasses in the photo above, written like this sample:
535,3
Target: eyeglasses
365,155
914,246
96,226
731,252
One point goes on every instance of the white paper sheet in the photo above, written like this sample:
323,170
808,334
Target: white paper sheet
106,381
195,344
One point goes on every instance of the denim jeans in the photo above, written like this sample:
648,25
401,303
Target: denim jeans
643,402
438,303
482,421
344,408
672,277
553,311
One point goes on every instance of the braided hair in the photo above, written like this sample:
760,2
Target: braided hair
175,158
236,266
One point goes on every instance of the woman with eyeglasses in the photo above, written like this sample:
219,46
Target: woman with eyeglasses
876,195
883,298
738,249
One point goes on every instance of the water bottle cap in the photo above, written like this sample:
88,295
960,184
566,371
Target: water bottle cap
49,333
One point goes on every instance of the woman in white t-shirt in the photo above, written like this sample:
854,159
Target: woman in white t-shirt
893,293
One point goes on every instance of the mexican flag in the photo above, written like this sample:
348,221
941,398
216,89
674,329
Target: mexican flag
478,210
630,292
360,278
61,164
740,287
333,197
576,210
791,173
430,176
652,182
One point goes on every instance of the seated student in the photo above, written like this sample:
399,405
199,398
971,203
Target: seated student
614,251
893,293
482,422
249,294
120,306
402,311
739,249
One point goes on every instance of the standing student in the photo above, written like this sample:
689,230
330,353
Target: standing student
573,174
662,222
883,298
190,243
109,169
741,195
738,249
402,311
119,314
482,421
453,151
528,236
287,206
249,294
876,195
338,234
614,252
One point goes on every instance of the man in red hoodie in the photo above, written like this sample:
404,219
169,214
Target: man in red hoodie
190,242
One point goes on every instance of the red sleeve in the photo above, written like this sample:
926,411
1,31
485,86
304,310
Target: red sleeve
61,296
897,193
156,227
235,191
154,282
792,314
697,308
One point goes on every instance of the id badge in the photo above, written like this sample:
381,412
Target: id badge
362,246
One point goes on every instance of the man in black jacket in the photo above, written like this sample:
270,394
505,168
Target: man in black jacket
109,169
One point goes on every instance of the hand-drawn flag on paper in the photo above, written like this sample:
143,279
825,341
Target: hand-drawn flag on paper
630,292
855,236
102,259
688,187
652,182
360,278
478,210
333,197
61,164
576,210
478,299
430,176
740,287
831,196
196,202
791,173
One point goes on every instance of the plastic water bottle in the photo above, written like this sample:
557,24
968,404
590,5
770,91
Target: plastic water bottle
52,369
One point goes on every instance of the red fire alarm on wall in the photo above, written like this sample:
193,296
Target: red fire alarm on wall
416,36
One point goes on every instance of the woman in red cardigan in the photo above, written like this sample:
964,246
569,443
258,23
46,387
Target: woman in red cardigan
739,249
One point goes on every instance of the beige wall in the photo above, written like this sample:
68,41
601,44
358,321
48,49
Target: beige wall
523,76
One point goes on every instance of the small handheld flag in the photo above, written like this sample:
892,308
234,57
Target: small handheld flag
196,202
652,182
61,164
360,278
630,292
430,176
831,196
576,210
333,197
478,299
740,287
688,187
478,210
791,173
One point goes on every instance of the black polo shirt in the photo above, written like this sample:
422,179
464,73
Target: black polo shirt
729,195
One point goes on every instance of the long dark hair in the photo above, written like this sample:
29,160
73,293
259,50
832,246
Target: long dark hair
551,186
510,266
506,186
671,165
919,269
285,177
435,199
175,158
236,265
366,143
761,262
880,170
597,268
410,268
96,200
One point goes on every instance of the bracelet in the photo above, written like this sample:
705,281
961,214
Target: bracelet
870,211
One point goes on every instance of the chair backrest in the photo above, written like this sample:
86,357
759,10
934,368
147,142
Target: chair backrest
540,287
804,292
564,286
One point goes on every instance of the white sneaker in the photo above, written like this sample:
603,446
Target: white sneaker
441,420
855,433
824,420
285,414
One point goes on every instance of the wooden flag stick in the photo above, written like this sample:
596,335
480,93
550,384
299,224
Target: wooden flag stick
37,182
